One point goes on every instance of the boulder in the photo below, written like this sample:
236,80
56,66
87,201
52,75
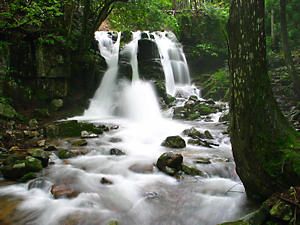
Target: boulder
41,155
16,166
224,117
86,134
170,163
115,140
104,180
63,191
191,170
56,104
40,183
141,168
65,154
7,111
199,142
72,128
174,142
193,133
208,135
115,151
79,142
33,124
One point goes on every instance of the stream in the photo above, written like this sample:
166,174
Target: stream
128,188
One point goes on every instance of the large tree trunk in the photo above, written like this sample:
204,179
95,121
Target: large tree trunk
286,49
258,128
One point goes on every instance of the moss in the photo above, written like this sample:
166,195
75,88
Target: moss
72,128
65,154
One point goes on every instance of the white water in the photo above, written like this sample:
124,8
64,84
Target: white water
103,102
173,61
136,198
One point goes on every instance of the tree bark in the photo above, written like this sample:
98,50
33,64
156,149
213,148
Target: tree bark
287,51
257,126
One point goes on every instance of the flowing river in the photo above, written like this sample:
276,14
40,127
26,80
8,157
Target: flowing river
129,188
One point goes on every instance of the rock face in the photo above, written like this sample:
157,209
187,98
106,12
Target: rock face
170,163
174,142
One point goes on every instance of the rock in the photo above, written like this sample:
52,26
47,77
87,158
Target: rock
40,183
33,124
208,135
56,104
210,102
193,98
282,210
115,151
224,117
50,148
170,163
27,177
174,142
15,167
104,180
79,142
240,222
141,168
7,111
113,222
199,142
41,113
201,160
65,154
41,155
193,133
85,134
191,170
115,139
204,109
63,191
41,143
15,149
72,128
31,133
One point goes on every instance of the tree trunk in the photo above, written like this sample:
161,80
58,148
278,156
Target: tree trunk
286,50
258,128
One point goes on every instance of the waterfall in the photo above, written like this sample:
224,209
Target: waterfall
173,61
103,100
109,97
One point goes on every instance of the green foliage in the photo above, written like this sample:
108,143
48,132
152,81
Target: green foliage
217,86
33,14
205,29
143,15
293,17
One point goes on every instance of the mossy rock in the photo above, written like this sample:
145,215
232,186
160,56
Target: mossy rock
7,111
65,154
27,177
170,163
16,167
193,133
79,142
236,223
282,210
174,142
204,109
72,128
41,155
191,170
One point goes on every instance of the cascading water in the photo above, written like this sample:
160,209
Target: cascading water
128,188
103,100
173,61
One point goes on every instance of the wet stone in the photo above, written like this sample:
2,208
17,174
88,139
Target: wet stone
63,191
115,151
104,180
174,142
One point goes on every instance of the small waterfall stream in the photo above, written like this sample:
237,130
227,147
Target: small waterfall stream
138,194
